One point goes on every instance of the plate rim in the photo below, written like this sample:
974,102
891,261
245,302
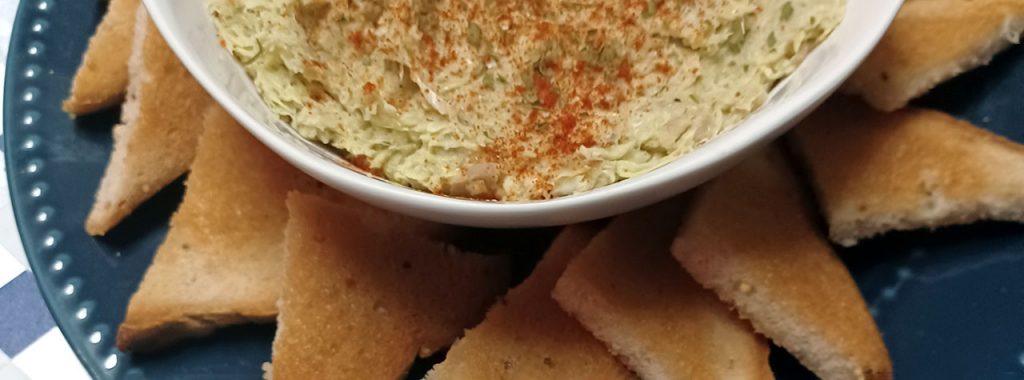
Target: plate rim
17,62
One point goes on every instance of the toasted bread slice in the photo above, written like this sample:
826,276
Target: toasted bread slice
361,298
626,289
221,261
527,336
751,237
161,124
907,170
931,41
102,78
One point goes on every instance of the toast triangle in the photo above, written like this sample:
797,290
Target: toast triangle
160,127
911,169
102,78
931,41
752,238
626,289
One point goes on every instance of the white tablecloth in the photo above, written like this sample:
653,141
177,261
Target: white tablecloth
31,346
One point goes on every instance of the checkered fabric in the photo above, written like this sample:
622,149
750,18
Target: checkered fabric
31,346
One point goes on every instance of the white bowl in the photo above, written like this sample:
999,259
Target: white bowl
191,34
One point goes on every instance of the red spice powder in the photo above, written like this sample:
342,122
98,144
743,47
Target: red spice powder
663,68
369,88
357,39
625,72
545,91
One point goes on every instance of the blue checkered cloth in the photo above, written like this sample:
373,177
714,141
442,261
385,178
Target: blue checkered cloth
31,346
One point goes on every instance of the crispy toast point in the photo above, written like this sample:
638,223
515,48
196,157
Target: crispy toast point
931,41
362,299
159,131
527,335
626,289
102,78
221,261
911,169
751,237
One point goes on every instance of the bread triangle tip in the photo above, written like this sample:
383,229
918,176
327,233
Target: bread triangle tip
68,107
95,227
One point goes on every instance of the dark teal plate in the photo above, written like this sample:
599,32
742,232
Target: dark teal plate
950,303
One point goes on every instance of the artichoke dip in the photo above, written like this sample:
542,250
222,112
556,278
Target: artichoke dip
518,100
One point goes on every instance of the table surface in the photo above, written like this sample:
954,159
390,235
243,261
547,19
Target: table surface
31,346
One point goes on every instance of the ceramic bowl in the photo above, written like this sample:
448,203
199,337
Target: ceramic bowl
190,32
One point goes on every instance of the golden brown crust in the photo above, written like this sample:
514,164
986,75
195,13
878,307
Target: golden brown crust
626,289
931,41
221,261
752,239
161,127
102,78
911,169
362,298
527,335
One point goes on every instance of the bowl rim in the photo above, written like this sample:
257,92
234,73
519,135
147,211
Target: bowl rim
682,174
